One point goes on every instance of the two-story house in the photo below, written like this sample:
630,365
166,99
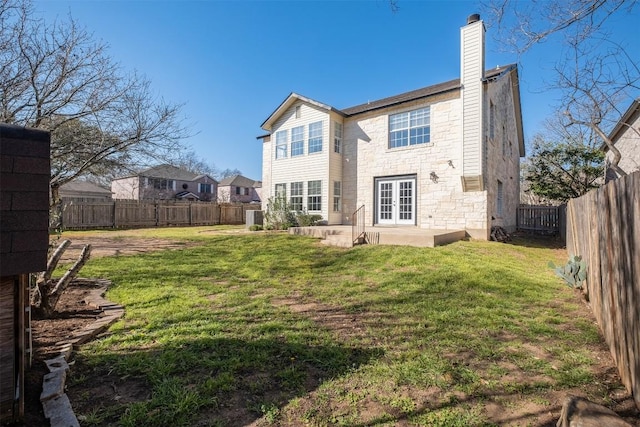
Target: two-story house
446,156
165,182
238,189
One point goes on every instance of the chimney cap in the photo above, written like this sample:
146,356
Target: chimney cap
473,18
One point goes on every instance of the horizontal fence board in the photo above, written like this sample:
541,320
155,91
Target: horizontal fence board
140,214
603,227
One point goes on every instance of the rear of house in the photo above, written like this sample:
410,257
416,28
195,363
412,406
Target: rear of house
442,157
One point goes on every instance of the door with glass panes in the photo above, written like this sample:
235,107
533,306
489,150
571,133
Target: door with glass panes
396,201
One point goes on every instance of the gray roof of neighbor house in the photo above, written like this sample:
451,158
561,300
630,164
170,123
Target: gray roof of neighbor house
84,186
238,181
168,171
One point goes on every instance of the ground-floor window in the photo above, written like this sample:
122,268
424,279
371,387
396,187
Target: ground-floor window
296,196
281,190
314,195
337,196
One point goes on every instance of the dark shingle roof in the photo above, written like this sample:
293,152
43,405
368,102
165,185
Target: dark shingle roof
238,181
84,186
168,172
419,93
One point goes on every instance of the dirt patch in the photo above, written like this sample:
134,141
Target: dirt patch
101,247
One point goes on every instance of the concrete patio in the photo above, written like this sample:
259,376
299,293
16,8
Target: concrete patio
340,235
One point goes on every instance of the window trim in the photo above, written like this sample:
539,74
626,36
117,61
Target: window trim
314,142
337,196
201,188
282,137
338,131
278,194
401,124
297,193
298,143
314,199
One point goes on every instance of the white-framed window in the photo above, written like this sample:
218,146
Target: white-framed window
297,141
161,183
315,137
314,195
296,196
242,191
500,199
337,196
281,144
410,128
298,111
337,137
281,191
205,188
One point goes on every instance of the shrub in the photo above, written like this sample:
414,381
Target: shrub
279,215
255,227
305,219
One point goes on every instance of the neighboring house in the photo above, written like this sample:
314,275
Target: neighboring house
626,138
445,156
165,182
238,189
84,191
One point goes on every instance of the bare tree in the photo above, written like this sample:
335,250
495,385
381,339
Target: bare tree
189,160
594,72
57,77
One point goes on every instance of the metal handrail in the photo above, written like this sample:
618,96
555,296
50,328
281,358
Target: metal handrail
357,225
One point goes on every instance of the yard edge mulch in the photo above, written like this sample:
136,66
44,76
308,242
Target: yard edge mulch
55,402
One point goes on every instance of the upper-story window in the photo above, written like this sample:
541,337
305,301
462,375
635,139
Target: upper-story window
205,188
315,137
297,141
281,144
337,137
161,183
298,111
410,128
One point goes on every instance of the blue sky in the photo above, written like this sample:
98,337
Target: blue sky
233,62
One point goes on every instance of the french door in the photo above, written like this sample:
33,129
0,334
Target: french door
396,201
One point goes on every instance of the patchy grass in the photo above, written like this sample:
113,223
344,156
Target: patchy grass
281,330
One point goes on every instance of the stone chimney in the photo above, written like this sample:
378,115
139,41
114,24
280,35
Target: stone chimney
471,80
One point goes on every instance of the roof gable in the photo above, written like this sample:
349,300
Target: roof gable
287,103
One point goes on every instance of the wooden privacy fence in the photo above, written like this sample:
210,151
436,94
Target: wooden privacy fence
128,214
541,219
604,228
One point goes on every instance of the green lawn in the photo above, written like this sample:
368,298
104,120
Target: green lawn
282,330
